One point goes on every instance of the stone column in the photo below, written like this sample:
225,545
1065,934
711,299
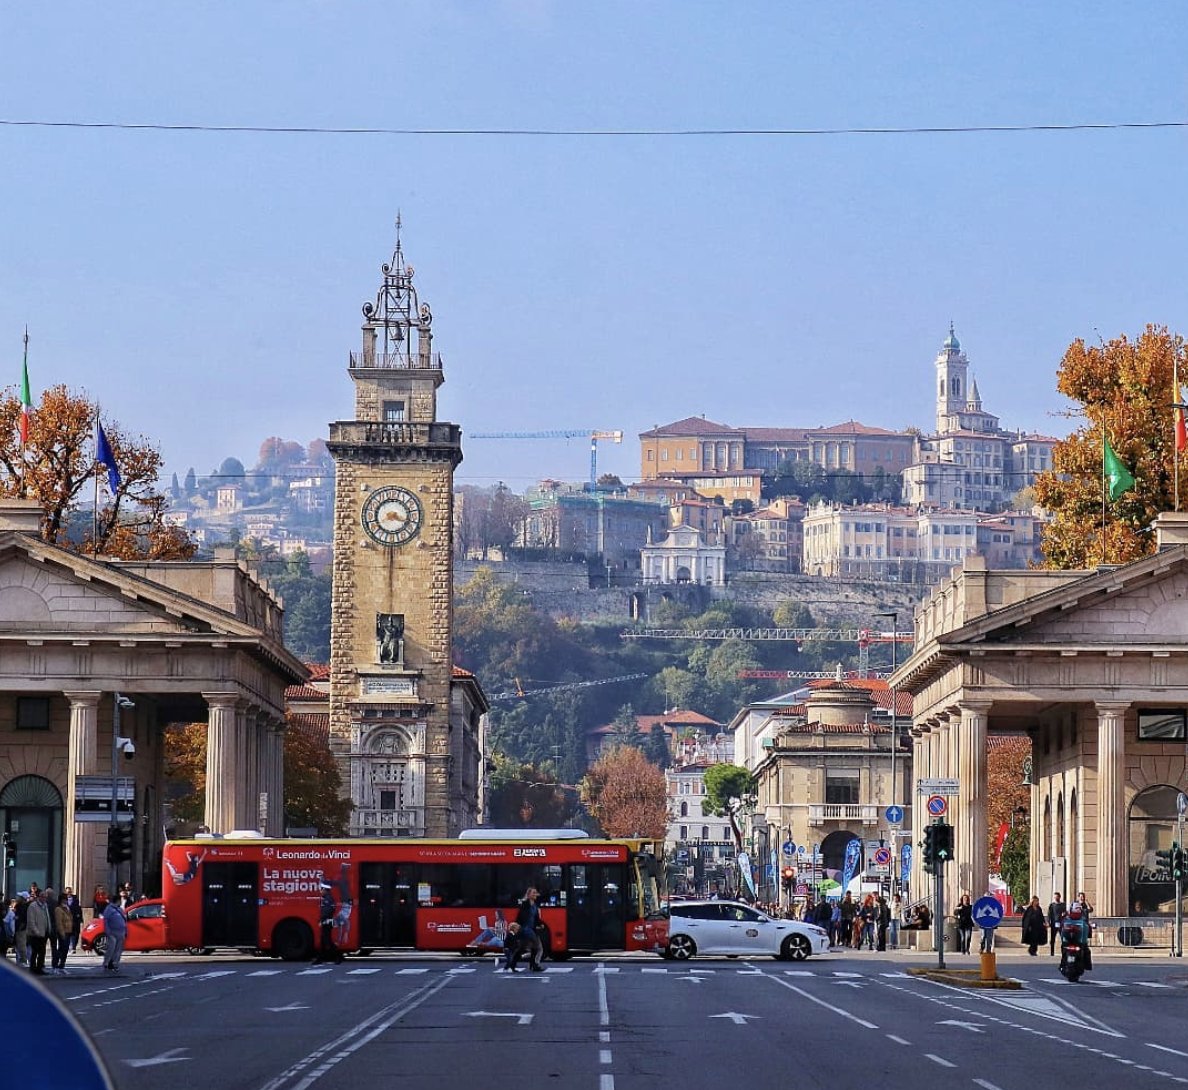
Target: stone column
82,760
276,787
1111,811
974,870
222,761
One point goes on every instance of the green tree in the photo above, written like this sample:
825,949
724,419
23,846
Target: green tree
1125,388
313,786
307,608
656,747
627,732
790,613
523,796
726,788
1015,863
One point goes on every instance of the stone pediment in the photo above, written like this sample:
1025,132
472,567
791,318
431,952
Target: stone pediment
48,591
1144,603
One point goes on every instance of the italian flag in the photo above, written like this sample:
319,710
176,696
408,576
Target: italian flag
26,400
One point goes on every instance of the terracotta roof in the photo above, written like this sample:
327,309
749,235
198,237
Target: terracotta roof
305,692
314,724
691,425
459,672
318,671
853,427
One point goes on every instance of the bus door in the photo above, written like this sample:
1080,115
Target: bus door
596,916
388,913
230,904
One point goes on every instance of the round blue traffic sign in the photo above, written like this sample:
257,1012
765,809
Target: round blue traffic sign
937,805
789,848
894,815
987,912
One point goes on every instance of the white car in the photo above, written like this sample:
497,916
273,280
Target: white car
734,929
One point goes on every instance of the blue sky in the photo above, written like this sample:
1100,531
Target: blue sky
206,286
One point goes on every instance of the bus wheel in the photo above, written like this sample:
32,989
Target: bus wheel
292,941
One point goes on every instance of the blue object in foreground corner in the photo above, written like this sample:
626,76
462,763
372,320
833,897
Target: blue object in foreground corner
987,912
41,1034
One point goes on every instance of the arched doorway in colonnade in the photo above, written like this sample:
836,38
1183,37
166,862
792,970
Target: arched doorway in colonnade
1151,827
31,815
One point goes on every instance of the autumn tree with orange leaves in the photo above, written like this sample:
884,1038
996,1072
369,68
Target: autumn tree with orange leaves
625,793
1125,386
313,786
57,468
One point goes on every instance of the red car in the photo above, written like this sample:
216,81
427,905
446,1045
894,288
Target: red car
146,929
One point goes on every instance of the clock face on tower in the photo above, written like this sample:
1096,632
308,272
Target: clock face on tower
392,516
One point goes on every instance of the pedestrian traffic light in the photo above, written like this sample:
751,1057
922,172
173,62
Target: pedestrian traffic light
1163,860
1177,861
788,875
119,843
10,847
943,843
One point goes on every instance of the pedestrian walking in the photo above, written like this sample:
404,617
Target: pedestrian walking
1034,927
882,922
76,917
51,905
38,925
115,933
896,920
63,926
1057,910
963,914
327,950
528,917
511,949
20,934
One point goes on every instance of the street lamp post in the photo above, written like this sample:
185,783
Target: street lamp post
894,615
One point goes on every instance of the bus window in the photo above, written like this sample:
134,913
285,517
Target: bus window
548,882
511,881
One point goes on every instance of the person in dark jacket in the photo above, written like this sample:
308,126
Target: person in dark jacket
528,917
1035,930
1056,913
882,922
963,914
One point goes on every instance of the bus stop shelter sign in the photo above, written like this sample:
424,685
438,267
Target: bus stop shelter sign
43,1036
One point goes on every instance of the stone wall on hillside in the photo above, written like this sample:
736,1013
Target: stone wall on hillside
562,590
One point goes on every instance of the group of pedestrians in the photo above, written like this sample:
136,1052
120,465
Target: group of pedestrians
40,923
523,936
1040,927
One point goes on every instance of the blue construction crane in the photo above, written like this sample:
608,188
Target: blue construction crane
565,433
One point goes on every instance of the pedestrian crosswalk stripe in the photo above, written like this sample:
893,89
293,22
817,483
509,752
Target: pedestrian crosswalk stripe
266,972
411,972
313,972
362,972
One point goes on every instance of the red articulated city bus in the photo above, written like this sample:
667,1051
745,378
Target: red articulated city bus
403,893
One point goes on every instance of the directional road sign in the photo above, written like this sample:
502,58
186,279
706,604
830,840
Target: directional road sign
987,912
937,805
894,815
789,848
938,787
1181,803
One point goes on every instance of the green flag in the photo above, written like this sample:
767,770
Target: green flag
1119,479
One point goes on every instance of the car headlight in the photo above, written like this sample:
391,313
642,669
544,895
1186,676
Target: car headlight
817,930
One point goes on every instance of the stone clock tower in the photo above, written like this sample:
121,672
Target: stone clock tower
392,611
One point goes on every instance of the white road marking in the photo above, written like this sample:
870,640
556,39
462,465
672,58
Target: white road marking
311,972
521,1019
170,1057
897,1040
604,1056
461,969
654,970
799,972
410,972
603,1037
606,1082
938,1059
266,972
985,1084
1151,984
559,969
822,1003
1164,1048
363,972
216,973
615,969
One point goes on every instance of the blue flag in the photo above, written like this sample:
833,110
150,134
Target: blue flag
850,862
104,457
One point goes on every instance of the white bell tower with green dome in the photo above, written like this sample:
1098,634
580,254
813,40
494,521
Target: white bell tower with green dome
952,384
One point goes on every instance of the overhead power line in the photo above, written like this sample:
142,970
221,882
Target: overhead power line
351,130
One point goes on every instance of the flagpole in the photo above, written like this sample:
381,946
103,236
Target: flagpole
1103,489
95,509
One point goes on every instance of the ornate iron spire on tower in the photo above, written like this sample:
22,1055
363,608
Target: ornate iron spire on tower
392,607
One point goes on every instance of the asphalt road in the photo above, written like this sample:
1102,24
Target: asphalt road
628,1023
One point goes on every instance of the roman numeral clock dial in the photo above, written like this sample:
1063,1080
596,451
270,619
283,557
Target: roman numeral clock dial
392,516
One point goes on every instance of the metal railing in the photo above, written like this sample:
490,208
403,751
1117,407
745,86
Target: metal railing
393,361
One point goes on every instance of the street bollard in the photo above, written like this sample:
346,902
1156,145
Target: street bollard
989,966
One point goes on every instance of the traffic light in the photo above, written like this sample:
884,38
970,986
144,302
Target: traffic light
10,846
119,843
1163,860
1177,862
788,875
942,843
929,846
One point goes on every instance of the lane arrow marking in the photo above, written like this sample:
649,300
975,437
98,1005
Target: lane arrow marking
290,1007
170,1057
735,1017
521,1019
